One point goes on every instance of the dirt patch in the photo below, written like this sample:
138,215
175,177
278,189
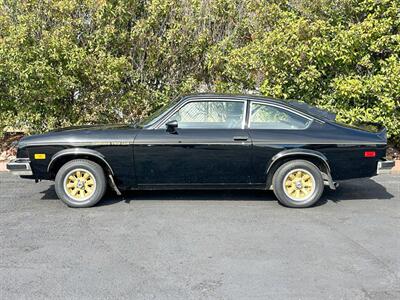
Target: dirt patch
392,152
8,142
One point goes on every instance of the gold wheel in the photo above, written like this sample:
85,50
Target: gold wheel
79,184
299,185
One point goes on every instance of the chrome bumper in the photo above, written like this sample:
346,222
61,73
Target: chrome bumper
384,166
20,166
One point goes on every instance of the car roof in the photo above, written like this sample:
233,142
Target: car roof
217,96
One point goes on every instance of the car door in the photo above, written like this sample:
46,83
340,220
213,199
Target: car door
273,128
210,146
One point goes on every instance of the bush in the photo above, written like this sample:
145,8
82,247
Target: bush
70,62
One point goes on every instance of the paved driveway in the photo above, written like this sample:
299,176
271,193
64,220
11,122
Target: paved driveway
201,245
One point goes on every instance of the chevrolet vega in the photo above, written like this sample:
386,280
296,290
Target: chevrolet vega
206,141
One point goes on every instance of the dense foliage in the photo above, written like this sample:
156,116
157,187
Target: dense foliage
65,62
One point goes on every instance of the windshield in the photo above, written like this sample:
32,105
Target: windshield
157,115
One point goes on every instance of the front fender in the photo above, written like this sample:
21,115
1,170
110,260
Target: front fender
79,152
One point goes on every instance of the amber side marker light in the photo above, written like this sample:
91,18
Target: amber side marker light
369,154
40,156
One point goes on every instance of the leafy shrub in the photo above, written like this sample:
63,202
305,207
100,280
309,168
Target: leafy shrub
68,62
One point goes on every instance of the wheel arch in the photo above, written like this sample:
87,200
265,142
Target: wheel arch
63,156
315,157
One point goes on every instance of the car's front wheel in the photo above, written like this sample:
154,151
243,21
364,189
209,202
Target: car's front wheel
298,183
80,183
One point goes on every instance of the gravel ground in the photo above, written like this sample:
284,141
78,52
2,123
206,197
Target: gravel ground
201,244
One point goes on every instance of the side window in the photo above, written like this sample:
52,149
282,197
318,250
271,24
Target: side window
210,114
264,116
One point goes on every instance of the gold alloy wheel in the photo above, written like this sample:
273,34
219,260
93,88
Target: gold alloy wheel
299,185
79,184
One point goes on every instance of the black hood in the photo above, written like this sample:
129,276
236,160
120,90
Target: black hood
84,135
93,127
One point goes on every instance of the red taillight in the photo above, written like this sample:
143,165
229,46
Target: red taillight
369,154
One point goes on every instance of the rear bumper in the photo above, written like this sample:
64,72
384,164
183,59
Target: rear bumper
20,166
384,166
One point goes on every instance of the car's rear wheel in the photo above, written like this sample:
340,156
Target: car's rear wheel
80,183
298,183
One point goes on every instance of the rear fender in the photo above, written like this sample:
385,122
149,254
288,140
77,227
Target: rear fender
314,156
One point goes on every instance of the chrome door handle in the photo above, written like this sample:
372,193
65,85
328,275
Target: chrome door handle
240,138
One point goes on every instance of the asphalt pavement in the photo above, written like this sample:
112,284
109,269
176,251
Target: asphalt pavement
201,244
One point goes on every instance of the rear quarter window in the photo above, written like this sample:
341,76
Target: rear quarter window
265,116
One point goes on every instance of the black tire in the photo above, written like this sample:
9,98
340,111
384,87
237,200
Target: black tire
84,165
282,188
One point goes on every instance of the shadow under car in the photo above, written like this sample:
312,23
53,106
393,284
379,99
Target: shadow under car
356,189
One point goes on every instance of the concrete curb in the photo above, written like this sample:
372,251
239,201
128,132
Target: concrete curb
396,168
3,164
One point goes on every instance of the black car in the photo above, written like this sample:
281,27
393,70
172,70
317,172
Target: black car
206,141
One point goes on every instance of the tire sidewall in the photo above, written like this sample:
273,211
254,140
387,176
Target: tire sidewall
287,168
90,166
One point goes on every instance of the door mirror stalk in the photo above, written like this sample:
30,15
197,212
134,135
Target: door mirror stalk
172,126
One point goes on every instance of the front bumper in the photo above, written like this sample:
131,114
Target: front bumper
384,166
20,166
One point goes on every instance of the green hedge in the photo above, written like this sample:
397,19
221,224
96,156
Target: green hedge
70,62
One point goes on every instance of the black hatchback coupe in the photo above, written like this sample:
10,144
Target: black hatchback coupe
207,141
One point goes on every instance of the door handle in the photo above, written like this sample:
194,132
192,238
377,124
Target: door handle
240,138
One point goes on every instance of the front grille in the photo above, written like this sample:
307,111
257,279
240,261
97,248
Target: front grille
22,153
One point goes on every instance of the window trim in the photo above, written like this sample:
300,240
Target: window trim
178,107
281,107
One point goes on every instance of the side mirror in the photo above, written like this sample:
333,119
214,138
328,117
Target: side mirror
172,126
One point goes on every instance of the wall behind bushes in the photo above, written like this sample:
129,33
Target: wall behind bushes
69,62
